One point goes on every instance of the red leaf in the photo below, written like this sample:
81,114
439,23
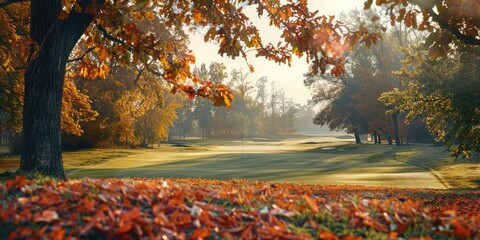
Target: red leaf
130,215
462,232
125,228
50,198
200,233
19,182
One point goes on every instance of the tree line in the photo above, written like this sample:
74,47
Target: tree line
260,108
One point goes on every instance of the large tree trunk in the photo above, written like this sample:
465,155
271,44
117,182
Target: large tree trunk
395,127
44,79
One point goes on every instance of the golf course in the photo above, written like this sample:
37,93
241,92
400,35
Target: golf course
329,159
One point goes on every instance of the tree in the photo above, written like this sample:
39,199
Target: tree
451,26
337,96
262,97
273,106
75,105
113,30
444,92
242,89
153,126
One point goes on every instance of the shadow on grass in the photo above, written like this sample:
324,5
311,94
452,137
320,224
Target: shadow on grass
299,167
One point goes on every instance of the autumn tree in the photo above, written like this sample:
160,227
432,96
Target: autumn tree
75,105
154,124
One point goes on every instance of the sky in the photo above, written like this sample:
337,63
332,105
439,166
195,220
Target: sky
288,78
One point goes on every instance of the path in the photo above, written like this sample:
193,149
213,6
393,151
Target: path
312,161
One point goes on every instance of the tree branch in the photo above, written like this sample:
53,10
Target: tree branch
111,37
447,26
81,57
8,2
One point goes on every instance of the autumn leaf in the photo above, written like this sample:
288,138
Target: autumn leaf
46,216
311,204
103,55
200,233
16,183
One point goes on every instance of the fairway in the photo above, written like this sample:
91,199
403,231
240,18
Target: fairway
314,160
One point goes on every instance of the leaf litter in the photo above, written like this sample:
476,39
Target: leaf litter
237,209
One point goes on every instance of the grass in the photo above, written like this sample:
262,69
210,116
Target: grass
295,160
74,159
456,173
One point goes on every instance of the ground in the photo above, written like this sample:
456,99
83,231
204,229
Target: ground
416,192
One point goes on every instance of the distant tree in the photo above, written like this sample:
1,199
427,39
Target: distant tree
185,119
273,107
338,103
153,126
242,89
203,108
262,97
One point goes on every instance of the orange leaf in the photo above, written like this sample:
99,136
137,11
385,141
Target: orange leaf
327,236
131,215
311,204
103,55
49,198
89,204
47,216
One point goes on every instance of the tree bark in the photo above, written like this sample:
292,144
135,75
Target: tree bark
395,128
44,78
357,137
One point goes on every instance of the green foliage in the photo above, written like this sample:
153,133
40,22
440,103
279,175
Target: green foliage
445,93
